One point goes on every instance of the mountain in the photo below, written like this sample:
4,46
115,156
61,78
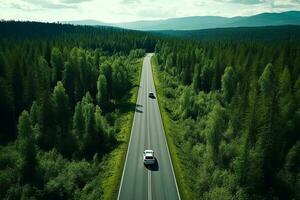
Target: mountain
204,22
88,22
185,23
266,19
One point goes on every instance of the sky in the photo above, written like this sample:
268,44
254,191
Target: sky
112,11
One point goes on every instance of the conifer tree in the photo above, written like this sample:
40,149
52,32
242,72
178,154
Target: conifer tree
57,65
27,149
102,91
228,83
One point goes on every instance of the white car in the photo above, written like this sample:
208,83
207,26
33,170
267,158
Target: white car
148,157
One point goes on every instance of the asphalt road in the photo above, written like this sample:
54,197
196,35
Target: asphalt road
139,182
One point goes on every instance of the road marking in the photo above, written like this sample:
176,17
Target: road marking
149,185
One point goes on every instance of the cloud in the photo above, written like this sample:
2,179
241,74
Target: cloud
288,4
154,13
74,1
130,1
273,3
247,2
17,6
27,5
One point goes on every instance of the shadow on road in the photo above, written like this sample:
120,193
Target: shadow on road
137,106
129,107
153,167
139,111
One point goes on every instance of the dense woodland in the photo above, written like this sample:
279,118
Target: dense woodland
237,125
62,89
264,33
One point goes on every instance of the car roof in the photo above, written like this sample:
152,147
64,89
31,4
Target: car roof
149,151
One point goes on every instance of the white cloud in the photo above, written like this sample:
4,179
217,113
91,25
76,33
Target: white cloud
131,10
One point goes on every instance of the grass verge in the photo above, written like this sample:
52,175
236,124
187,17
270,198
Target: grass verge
114,166
168,123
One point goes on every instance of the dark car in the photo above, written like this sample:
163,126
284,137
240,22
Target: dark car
151,95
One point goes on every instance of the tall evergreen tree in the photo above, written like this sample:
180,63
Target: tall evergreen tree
228,83
78,122
27,149
65,139
102,93
57,65
214,129
197,78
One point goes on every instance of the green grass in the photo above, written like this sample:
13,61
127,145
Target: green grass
114,165
168,123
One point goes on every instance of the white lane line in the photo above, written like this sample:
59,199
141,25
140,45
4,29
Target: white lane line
138,98
149,185
163,129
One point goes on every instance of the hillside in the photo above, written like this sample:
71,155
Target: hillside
205,22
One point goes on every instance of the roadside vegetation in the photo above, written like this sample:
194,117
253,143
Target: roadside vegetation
230,107
67,97
116,159
234,112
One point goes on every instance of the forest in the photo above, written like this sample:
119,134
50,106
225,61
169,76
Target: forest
263,33
62,90
234,110
233,100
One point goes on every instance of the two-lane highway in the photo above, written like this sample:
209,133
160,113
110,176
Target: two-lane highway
138,182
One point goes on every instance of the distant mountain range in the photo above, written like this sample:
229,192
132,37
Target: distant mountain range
203,22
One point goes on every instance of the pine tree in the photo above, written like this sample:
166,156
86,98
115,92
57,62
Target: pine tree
46,122
197,78
228,83
286,103
27,149
214,129
78,122
106,70
44,78
120,80
89,140
266,81
34,112
57,65
102,91
100,129
65,141
69,81
206,77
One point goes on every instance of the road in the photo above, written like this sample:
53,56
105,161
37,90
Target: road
139,182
